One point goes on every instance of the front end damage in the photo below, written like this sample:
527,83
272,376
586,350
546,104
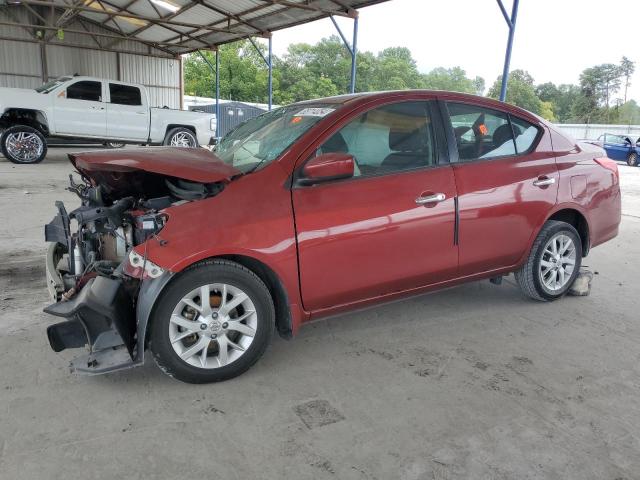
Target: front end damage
99,277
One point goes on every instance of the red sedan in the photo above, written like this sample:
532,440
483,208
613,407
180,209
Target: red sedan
315,209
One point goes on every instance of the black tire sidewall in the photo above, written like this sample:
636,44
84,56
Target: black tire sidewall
569,230
632,159
227,273
22,128
172,132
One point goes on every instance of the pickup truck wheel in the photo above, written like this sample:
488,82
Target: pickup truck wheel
553,263
212,323
181,137
23,144
632,159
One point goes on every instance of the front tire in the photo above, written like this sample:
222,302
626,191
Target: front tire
180,137
632,159
220,338
553,263
22,144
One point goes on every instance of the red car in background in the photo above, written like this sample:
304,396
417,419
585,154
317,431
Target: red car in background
310,210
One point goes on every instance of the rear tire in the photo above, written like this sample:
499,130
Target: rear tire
549,270
180,137
198,342
632,159
22,144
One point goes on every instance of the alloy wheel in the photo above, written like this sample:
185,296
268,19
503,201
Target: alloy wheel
213,325
24,146
183,139
558,262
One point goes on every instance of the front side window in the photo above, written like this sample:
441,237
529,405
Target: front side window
480,132
85,90
387,139
615,139
124,94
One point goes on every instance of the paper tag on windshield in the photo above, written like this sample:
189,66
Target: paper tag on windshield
314,112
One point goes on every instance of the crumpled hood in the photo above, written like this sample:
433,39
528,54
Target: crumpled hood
194,164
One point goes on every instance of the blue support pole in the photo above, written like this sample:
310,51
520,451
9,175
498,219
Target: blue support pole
511,23
270,73
353,48
217,90
354,54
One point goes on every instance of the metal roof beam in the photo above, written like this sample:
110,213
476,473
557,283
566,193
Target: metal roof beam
309,7
130,15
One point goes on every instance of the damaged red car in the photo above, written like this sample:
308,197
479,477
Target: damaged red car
311,210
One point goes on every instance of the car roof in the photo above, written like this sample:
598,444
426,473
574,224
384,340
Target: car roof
355,99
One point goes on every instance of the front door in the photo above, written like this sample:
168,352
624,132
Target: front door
388,229
80,110
506,187
617,147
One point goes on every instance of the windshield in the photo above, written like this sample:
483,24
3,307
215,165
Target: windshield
47,87
262,139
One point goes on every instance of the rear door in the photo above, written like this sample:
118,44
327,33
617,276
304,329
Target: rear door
370,235
506,187
80,109
127,113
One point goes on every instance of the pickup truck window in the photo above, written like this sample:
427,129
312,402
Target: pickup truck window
85,90
124,94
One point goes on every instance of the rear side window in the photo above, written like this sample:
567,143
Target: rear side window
525,134
85,90
124,94
481,132
387,139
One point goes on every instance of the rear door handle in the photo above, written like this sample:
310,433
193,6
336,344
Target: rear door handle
544,182
435,198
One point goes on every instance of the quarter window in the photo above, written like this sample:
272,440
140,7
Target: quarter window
387,139
481,132
124,94
85,90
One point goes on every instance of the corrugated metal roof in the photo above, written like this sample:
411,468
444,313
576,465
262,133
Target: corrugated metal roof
181,26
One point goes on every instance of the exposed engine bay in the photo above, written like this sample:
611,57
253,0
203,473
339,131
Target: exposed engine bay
106,228
94,275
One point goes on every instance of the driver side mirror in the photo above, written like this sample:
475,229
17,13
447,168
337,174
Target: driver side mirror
326,167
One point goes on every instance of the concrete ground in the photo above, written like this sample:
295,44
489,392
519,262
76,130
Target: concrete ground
475,382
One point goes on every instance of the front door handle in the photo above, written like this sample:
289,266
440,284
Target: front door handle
544,182
435,198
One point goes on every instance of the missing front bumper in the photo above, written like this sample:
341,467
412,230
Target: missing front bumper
101,316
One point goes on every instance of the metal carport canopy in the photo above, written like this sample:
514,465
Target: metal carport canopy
182,26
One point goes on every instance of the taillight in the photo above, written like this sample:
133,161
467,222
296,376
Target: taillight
610,165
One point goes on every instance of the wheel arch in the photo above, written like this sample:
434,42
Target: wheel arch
24,116
149,294
578,220
171,126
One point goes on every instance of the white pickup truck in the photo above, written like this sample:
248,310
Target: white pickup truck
94,109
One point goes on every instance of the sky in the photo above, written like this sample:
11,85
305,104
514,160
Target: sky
554,40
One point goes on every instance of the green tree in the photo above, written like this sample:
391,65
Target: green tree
627,67
452,79
520,91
